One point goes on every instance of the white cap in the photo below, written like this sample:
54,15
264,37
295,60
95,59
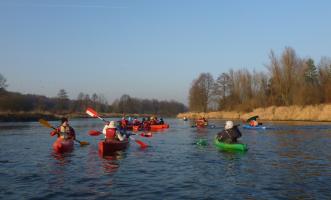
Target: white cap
228,125
112,124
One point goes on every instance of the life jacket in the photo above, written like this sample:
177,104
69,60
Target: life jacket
124,123
153,122
146,125
110,133
65,132
200,123
253,123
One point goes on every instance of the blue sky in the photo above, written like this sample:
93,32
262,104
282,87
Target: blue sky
149,49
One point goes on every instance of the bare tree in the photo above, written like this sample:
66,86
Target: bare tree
201,92
3,82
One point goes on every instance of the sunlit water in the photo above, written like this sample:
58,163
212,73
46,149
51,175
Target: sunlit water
290,161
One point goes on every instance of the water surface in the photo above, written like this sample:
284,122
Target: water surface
289,161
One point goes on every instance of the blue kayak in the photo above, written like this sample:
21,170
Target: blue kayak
254,127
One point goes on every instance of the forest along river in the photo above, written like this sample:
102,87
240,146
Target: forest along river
290,161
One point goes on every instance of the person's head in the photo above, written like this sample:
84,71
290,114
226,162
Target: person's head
112,124
64,121
228,125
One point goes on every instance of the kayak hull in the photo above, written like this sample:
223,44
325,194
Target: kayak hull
106,148
230,147
159,127
61,145
254,127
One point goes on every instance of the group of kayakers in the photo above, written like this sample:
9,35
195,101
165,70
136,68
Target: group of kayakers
144,124
231,132
112,130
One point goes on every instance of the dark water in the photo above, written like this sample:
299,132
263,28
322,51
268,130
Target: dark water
290,161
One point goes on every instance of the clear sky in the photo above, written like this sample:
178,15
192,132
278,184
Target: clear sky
149,49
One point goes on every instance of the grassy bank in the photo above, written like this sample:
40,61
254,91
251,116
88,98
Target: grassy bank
320,112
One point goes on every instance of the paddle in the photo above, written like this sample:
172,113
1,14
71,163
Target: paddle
94,133
94,114
46,124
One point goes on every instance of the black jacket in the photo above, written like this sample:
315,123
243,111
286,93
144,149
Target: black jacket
229,135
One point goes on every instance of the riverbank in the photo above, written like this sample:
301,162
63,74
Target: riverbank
35,116
319,113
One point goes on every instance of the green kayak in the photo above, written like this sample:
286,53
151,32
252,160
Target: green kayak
227,146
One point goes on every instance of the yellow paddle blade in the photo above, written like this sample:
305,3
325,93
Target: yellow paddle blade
84,143
45,123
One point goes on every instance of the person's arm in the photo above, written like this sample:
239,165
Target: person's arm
55,132
119,135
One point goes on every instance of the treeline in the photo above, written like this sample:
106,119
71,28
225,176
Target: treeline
11,102
17,102
289,80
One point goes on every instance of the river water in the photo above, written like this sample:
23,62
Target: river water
289,161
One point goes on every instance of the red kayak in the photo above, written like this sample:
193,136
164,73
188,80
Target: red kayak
159,126
109,147
61,145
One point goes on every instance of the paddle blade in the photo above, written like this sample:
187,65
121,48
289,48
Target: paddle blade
45,123
142,145
94,133
91,112
84,143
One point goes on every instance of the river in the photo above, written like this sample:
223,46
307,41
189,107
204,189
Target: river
289,161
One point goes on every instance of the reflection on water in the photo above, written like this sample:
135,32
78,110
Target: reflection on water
110,162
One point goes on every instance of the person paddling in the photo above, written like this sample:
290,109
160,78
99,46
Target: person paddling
230,134
64,131
111,133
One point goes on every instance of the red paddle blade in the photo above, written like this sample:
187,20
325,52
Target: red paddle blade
91,112
142,145
94,133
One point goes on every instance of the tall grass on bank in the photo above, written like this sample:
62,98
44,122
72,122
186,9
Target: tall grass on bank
320,112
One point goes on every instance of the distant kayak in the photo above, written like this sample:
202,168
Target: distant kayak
106,148
148,134
61,145
254,127
227,146
156,127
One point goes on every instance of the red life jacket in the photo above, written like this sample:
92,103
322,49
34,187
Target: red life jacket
110,133
124,123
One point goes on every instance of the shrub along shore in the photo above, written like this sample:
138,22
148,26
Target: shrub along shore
320,113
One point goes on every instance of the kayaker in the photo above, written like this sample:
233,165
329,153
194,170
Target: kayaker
253,123
136,122
146,125
65,131
124,123
201,122
153,121
161,121
230,134
111,133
